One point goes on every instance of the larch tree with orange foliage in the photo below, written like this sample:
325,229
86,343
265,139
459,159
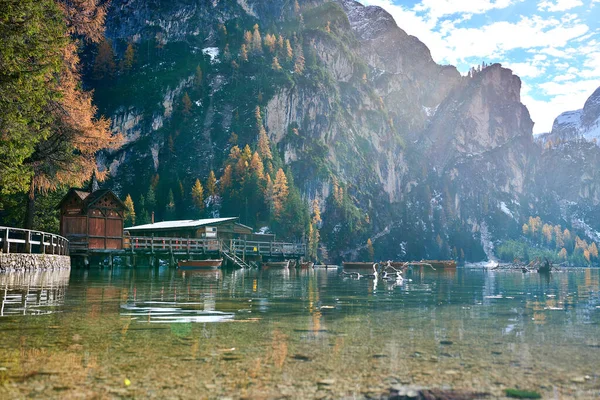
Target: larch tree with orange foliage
67,156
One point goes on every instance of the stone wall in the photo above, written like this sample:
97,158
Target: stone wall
33,262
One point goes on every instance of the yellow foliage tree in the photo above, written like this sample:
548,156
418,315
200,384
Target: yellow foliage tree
275,66
371,250
211,184
280,191
129,211
257,166
226,179
198,195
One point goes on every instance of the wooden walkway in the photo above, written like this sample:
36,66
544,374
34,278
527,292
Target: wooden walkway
236,248
24,241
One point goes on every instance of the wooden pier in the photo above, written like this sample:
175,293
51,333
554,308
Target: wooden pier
237,251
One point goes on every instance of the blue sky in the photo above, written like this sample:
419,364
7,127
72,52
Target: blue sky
553,45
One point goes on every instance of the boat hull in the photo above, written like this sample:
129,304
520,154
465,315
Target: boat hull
359,266
280,265
441,264
200,264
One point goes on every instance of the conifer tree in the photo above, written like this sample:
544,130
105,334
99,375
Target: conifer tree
270,194
289,54
256,40
104,63
186,105
275,64
370,250
170,208
270,42
264,145
280,191
129,58
129,212
226,180
151,199
198,196
244,53
257,166
299,60
211,184
280,42
198,77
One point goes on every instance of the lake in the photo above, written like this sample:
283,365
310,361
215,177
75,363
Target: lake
158,333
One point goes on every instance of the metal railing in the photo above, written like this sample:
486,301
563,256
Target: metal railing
25,241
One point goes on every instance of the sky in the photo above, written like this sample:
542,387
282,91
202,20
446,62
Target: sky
553,45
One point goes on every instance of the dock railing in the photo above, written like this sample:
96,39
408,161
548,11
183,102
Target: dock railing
25,241
240,247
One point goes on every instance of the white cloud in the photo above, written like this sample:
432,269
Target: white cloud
525,69
559,5
440,8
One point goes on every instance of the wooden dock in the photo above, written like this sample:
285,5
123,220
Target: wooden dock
237,251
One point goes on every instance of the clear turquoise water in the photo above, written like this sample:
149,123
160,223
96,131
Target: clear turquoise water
156,333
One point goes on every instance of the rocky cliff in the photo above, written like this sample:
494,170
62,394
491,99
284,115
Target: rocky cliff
431,163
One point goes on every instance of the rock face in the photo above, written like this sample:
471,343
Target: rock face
435,162
579,124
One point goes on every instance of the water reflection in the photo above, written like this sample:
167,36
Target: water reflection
33,293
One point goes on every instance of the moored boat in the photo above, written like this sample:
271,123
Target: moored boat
282,264
360,266
200,264
306,265
440,263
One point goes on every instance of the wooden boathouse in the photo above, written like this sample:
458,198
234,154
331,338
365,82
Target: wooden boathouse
92,220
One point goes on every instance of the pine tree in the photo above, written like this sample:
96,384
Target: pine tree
275,64
104,63
129,58
151,199
244,53
370,250
198,196
264,146
270,194
270,42
198,77
226,180
248,39
186,105
280,191
256,40
299,61
256,166
280,42
211,184
129,212
289,54
170,208
247,154
316,212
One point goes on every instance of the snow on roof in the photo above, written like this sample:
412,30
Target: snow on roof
191,223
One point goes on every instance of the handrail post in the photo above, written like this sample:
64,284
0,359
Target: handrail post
6,243
28,243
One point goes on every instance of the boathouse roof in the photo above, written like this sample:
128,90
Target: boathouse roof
184,224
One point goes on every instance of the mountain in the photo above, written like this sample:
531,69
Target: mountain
579,124
392,146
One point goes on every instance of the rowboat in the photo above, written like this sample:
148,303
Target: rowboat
283,264
199,264
360,266
440,264
307,265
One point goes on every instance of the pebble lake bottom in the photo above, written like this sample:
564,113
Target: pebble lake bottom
262,334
